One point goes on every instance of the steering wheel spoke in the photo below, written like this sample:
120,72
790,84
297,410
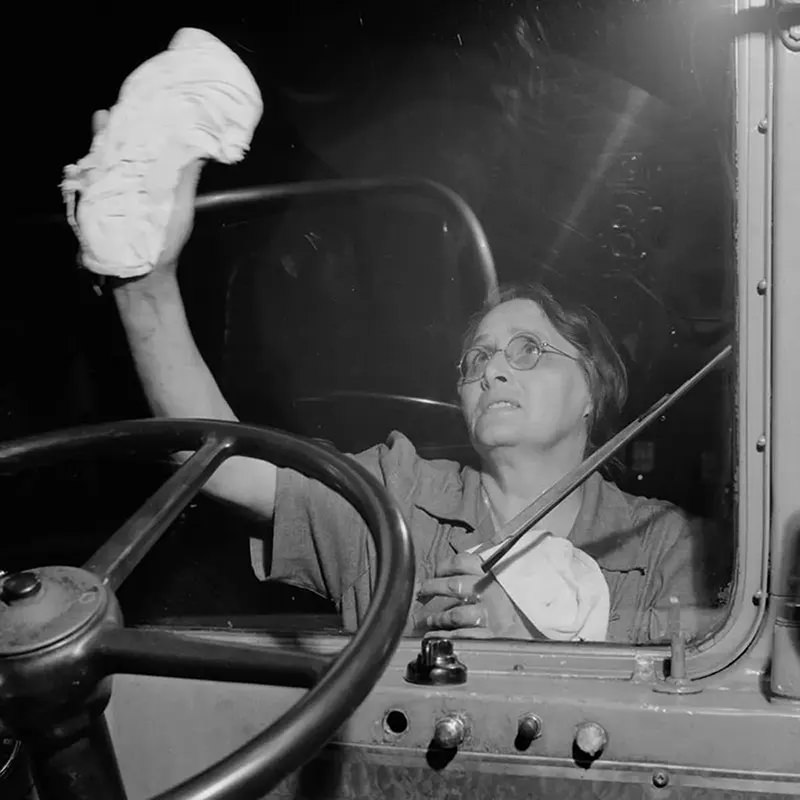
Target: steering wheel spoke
71,620
175,655
120,555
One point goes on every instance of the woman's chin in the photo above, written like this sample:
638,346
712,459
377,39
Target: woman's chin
496,434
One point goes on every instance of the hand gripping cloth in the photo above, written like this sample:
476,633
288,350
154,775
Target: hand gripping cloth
195,100
558,587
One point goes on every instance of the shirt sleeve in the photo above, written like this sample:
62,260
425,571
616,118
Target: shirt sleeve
321,543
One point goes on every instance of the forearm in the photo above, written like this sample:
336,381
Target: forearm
176,380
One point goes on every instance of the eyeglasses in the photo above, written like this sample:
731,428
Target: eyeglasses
522,352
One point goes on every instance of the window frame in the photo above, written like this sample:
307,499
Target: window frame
751,230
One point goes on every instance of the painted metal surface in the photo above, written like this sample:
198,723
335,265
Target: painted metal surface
729,737
785,299
738,737
367,773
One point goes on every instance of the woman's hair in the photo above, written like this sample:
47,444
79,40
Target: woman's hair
601,362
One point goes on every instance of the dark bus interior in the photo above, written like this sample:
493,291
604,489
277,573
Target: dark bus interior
596,156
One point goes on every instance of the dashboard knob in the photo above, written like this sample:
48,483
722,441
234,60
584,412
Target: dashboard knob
449,732
434,649
591,738
436,664
529,727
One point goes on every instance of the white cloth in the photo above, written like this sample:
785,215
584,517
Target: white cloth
558,587
195,100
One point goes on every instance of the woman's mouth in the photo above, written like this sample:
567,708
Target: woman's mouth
501,404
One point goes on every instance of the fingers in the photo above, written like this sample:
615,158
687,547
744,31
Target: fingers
461,578
462,587
419,615
460,564
472,615
99,120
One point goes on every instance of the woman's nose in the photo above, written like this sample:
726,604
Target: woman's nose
497,368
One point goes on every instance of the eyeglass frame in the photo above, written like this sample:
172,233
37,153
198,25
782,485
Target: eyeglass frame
544,347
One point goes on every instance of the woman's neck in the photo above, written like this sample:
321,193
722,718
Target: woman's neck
512,480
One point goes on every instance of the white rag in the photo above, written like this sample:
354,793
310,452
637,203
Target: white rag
195,100
558,587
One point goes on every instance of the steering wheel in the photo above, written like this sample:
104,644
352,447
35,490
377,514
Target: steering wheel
61,633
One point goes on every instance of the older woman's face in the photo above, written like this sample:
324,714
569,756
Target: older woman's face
537,408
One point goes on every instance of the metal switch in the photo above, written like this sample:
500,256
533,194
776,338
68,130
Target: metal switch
591,738
529,727
449,732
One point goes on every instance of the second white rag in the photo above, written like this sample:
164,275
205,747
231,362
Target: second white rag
557,586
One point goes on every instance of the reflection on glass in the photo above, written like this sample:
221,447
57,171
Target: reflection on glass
593,143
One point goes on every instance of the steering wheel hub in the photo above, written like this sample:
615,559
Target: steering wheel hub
62,639
43,606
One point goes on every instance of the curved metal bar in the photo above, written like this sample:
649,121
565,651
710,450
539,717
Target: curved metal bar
120,554
347,394
283,191
172,655
356,186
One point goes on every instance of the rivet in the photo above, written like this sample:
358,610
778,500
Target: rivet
761,286
761,443
660,779
763,125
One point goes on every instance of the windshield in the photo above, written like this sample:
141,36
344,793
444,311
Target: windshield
594,143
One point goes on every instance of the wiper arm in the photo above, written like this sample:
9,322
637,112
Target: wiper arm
516,528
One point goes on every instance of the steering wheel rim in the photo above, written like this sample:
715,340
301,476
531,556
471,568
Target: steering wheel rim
305,728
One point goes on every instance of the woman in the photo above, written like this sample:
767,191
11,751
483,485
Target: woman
537,381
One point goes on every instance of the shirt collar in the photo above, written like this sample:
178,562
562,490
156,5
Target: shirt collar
605,527
459,501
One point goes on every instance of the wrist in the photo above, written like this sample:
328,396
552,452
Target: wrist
156,289
163,279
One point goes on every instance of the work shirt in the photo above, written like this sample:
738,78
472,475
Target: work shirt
645,548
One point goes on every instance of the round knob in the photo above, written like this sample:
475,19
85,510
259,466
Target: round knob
434,648
436,664
529,728
591,738
20,585
449,732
